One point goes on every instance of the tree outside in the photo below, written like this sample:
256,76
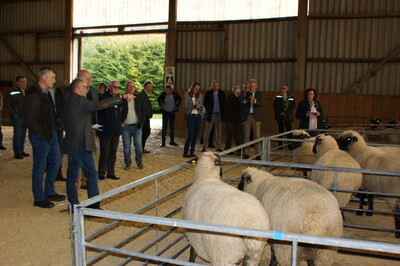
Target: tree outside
137,58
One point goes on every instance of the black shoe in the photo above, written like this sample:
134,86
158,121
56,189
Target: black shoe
193,155
84,187
3,148
55,197
145,151
19,156
212,146
246,156
102,177
162,144
173,143
186,155
25,154
113,177
44,204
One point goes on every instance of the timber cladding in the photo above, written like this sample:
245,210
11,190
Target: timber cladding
338,108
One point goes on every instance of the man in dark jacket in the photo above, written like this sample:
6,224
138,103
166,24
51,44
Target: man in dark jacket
214,102
110,119
41,121
146,110
79,142
232,118
169,102
14,103
131,128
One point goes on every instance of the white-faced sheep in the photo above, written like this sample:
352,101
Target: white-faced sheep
210,200
303,150
374,158
296,205
329,154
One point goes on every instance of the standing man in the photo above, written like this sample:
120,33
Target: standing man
284,105
109,135
169,102
131,128
79,142
214,102
40,118
1,122
232,118
14,103
252,115
146,110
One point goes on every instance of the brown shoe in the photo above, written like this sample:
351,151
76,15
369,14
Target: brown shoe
140,165
127,167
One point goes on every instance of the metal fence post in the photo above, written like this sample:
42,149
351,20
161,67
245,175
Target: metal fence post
80,250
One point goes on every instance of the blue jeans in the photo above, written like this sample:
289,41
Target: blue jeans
128,133
46,158
85,161
18,124
193,125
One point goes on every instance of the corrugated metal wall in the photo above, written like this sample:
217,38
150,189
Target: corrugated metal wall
32,17
339,50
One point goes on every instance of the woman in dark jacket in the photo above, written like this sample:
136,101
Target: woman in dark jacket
284,105
310,112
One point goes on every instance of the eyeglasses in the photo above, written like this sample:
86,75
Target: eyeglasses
116,87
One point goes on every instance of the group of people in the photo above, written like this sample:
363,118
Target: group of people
69,121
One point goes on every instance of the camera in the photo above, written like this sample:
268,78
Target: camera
248,94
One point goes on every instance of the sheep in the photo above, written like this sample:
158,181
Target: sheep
295,205
374,158
329,154
393,136
302,148
209,200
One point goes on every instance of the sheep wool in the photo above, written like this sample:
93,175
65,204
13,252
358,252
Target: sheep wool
209,200
329,154
296,205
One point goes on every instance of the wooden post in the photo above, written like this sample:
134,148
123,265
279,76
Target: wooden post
19,58
373,71
68,42
301,46
80,54
170,57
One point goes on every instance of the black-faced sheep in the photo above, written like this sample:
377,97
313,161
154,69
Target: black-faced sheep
209,200
374,158
329,154
296,205
392,136
304,148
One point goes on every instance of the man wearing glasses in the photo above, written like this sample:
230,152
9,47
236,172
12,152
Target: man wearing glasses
110,119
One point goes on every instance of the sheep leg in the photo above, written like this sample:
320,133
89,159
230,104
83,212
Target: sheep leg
273,261
193,254
361,197
370,205
397,221
310,263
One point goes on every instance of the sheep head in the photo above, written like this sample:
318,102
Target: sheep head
324,143
251,178
350,140
208,166
375,121
298,134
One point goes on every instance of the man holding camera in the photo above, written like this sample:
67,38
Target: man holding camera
252,116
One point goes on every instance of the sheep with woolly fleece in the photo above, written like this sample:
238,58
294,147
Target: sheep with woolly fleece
296,205
210,200
300,148
329,154
393,136
374,158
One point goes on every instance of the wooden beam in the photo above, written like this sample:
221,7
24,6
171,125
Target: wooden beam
301,46
140,32
373,71
80,54
171,42
68,42
236,61
226,42
19,58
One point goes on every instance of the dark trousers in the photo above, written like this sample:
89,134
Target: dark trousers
85,161
19,135
108,155
232,131
283,127
145,131
193,125
168,116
